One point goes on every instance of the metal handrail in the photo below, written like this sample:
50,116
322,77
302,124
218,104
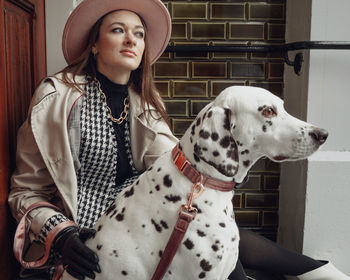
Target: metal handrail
283,48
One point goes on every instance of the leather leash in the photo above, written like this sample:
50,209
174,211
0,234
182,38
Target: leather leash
187,212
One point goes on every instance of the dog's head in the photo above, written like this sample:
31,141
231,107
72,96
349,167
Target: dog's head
244,124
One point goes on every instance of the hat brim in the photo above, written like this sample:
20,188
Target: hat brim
86,14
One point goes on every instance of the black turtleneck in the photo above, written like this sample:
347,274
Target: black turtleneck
115,95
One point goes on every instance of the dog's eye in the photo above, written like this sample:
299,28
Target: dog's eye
269,112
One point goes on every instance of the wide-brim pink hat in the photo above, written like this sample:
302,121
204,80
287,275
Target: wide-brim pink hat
86,14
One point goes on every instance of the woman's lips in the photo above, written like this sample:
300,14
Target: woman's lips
128,53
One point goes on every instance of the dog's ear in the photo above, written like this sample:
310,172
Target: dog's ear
215,144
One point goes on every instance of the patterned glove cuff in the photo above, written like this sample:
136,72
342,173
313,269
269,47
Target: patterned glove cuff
50,224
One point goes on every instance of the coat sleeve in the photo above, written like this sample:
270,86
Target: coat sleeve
163,142
31,181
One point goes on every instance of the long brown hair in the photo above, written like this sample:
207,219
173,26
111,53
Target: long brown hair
140,79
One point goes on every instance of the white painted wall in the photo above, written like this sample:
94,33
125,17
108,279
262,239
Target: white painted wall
327,223
57,12
322,206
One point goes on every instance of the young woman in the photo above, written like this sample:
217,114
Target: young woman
94,127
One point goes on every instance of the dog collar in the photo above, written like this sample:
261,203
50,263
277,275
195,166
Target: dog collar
186,168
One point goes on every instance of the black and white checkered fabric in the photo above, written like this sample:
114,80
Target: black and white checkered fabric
98,158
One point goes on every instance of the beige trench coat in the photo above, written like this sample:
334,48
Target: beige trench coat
46,168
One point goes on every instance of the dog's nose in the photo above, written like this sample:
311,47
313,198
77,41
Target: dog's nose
320,135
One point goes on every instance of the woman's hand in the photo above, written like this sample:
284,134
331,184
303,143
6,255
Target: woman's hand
77,258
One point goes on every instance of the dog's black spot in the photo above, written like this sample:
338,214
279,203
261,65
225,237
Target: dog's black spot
143,225
110,209
119,217
198,255
113,214
193,127
245,152
98,247
264,128
149,169
239,143
232,155
164,224
233,239
216,153
227,122
150,192
225,142
222,225
170,272
159,169
215,248
204,134
219,257
156,226
129,192
200,233
188,244
205,149
191,139
214,136
261,108
210,113
99,228
196,158
197,149
201,275
180,147
157,187
123,210
269,123
114,254
246,163
173,198
198,122
205,265
160,253
205,114
124,273
167,181
196,206
137,182
207,225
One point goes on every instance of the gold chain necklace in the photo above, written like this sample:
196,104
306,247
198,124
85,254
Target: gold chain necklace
123,115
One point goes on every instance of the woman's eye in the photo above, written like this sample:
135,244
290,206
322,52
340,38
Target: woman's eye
269,112
140,34
118,30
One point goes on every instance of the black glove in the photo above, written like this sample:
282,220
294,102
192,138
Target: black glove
80,260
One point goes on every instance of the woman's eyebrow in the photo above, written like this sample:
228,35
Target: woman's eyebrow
124,25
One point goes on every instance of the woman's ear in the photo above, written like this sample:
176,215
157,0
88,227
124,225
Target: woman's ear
94,50
215,144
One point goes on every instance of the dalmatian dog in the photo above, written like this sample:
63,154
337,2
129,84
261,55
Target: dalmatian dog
228,136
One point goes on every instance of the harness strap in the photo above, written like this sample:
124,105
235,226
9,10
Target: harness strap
20,234
187,212
175,239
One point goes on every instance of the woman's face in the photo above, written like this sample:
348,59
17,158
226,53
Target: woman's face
120,46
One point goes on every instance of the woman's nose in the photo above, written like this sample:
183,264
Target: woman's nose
129,39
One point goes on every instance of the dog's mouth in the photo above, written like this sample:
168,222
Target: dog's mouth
280,158
283,157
